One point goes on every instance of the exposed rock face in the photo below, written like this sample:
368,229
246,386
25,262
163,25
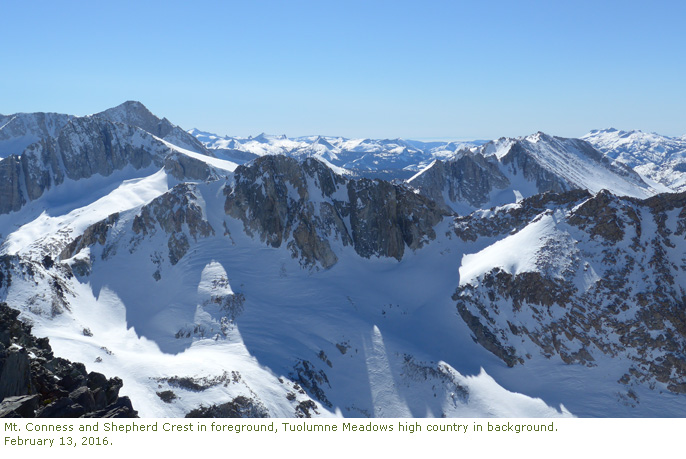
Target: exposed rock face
86,147
35,383
184,167
506,170
306,205
20,130
134,113
468,177
11,175
386,218
608,282
176,213
239,407
83,148
599,217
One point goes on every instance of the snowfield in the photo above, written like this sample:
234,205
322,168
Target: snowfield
145,275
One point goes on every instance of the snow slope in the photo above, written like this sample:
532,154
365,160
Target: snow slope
657,157
362,339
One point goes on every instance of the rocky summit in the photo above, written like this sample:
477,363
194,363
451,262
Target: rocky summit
35,383
196,275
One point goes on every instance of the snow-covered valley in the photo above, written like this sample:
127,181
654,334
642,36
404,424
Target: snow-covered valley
502,283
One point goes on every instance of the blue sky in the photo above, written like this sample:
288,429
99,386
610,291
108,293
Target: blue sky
354,68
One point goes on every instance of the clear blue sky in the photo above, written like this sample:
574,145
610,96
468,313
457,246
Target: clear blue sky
429,69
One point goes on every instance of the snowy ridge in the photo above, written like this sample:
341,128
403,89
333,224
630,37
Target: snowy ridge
657,157
507,170
91,146
583,167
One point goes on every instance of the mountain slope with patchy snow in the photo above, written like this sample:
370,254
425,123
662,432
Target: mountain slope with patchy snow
657,157
20,130
507,170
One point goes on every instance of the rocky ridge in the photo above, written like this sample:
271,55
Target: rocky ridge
134,113
86,147
304,206
607,283
35,383
307,206
20,130
507,170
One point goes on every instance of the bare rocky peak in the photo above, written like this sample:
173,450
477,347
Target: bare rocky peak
134,113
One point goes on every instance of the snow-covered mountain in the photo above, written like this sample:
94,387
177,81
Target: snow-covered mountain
657,157
92,147
219,292
594,283
507,170
396,158
281,287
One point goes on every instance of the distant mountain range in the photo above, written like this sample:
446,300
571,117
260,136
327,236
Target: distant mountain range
322,276
656,157
396,158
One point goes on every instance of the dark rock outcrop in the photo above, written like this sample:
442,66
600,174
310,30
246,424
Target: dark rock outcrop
468,177
306,205
176,212
35,383
605,284
239,407
11,176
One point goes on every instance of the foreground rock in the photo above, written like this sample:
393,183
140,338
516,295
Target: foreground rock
35,383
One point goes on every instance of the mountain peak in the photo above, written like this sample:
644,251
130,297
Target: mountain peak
136,114
132,104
